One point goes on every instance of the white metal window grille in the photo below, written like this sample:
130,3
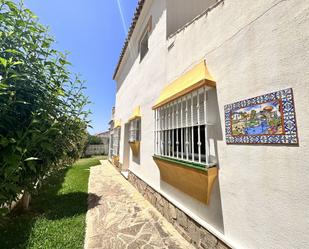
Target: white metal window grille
111,145
134,134
116,141
181,128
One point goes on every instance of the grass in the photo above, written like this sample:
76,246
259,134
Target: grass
56,218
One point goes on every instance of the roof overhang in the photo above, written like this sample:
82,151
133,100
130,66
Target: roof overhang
136,16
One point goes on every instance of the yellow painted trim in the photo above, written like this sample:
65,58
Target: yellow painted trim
135,147
196,77
117,123
115,160
196,183
136,113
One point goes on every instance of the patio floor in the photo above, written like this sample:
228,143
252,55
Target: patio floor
119,217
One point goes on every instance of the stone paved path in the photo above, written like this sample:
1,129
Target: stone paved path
119,217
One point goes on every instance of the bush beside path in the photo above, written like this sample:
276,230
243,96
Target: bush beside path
56,218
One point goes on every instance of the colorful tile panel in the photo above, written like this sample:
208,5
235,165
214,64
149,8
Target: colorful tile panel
266,119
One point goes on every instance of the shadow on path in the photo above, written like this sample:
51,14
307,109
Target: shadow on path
49,205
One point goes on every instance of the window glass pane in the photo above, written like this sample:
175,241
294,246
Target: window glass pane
134,132
116,141
144,45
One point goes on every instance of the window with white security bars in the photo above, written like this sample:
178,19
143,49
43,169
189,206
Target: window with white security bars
111,145
134,134
181,129
116,141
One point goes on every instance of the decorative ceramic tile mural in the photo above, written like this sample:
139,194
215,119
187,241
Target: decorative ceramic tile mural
266,119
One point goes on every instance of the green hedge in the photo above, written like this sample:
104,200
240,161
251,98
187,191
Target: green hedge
42,118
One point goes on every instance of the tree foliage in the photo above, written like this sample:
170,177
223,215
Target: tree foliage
42,118
94,139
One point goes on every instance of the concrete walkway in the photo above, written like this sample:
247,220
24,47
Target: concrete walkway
119,217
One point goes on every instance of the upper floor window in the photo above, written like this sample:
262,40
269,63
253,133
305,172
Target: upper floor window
143,44
181,128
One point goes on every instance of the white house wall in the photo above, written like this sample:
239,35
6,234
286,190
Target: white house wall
139,84
251,48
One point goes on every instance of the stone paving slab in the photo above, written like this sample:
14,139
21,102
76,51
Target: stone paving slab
119,217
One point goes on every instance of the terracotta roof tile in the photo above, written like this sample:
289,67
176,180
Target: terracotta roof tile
137,13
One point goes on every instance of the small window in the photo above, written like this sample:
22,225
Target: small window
135,130
116,141
143,43
143,46
111,147
181,129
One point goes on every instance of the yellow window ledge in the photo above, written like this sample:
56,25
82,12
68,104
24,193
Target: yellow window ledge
135,147
115,160
192,180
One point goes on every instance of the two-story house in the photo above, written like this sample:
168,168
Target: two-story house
216,178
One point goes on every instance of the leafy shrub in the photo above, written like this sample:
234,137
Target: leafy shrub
42,118
94,140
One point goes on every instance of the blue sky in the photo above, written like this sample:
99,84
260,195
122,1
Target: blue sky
93,32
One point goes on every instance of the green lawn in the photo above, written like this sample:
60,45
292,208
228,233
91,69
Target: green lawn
57,215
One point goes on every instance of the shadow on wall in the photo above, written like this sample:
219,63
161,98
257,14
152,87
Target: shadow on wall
137,159
211,213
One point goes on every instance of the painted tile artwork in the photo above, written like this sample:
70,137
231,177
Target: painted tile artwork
266,119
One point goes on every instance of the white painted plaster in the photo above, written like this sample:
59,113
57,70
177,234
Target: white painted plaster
139,84
251,48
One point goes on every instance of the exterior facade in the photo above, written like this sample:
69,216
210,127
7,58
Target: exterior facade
179,71
104,136
111,135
